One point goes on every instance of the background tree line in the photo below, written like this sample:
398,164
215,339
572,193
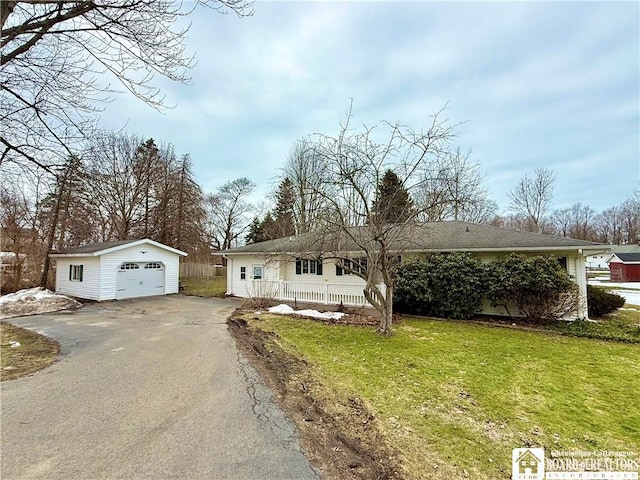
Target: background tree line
120,187
451,188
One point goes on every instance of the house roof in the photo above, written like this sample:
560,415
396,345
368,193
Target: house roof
101,248
432,236
626,257
633,248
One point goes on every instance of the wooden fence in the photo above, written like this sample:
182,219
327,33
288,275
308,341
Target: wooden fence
201,270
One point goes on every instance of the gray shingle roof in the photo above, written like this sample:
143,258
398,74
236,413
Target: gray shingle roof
628,257
433,236
96,247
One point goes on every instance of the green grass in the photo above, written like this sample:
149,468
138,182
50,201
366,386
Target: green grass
620,327
205,287
455,396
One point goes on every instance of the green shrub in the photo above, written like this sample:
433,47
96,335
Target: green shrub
602,302
536,287
449,285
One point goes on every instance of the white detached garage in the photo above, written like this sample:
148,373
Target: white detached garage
118,270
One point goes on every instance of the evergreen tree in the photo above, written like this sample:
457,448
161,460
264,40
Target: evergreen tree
284,223
262,230
64,217
269,228
255,232
392,203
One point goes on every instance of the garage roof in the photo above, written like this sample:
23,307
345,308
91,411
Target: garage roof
101,248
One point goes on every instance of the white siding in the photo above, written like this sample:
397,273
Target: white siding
89,286
328,274
285,269
577,269
110,262
245,288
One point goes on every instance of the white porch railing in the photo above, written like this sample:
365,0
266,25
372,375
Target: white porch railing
315,292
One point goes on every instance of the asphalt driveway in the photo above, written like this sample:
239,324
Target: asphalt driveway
146,388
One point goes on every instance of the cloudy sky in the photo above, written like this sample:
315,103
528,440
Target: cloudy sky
532,84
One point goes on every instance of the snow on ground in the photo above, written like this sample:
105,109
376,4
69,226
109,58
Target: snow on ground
629,290
606,283
287,310
630,296
32,301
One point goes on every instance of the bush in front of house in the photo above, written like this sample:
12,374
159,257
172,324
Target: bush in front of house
449,285
602,302
537,287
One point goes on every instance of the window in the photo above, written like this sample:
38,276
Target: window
75,273
129,266
563,262
243,273
257,272
152,266
347,266
306,266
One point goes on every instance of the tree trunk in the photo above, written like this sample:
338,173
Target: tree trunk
386,315
44,276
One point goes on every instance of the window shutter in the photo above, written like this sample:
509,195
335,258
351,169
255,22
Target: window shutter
70,271
81,270
319,268
298,266
338,271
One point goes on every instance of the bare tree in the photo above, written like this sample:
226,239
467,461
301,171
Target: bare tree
609,225
14,221
531,198
631,218
582,222
59,58
561,220
229,212
66,187
355,166
305,167
453,190
118,182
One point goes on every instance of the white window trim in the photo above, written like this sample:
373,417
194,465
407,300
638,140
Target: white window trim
77,273
253,272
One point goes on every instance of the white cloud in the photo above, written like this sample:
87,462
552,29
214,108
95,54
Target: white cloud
537,84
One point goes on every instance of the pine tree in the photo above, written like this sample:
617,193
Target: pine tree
393,203
255,232
283,212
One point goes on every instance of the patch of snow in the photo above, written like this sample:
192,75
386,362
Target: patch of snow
14,344
287,310
282,308
32,301
630,296
631,285
322,315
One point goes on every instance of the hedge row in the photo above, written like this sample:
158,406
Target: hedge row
453,285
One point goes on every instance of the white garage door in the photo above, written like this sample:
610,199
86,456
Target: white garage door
140,279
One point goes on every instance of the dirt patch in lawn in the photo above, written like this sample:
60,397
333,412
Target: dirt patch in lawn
24,352
340,436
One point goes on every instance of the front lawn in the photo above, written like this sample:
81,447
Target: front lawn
205,287
455,398
24,351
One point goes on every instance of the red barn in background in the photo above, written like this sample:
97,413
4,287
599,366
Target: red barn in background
624,267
